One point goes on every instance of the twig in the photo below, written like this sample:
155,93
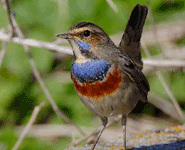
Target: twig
28,126
59,113
4,46
112,5
72,142
36,43
164,63
168,91
12,31
164,105
2,53
7,7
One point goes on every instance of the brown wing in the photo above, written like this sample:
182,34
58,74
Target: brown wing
130,42
131,69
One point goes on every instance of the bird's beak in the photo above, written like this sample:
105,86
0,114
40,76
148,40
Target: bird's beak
64,36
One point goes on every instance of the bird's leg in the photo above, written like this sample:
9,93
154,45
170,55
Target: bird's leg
104,122
123,122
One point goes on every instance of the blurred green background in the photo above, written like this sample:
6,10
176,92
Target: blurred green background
41,20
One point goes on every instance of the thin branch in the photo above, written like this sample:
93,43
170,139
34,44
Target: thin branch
2,53
59,113
168,91
72,142
28,126
164,105
170,94
7,8
36,43
164,63
112,5
12,31
4,46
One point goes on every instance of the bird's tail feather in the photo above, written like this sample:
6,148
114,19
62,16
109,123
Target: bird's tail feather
130,42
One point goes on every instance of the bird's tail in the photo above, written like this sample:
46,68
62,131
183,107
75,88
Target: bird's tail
130,42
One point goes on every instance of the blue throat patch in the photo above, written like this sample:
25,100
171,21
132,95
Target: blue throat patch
91,71
84,46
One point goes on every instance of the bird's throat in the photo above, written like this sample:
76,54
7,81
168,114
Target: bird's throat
83,45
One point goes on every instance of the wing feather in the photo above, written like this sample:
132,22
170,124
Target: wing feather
129,67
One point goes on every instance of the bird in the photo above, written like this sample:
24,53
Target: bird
108,78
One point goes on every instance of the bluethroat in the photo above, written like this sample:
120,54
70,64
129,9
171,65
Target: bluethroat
108,79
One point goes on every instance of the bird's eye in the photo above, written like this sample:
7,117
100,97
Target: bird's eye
87,33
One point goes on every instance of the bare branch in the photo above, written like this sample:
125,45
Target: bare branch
170,94
164,105
72,142
28,126
2,53
112,5
36,43
164,63
12,30
7,7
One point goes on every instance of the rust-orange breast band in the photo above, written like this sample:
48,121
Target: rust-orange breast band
97,90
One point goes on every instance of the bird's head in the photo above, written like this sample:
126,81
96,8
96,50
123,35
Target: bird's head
87,40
